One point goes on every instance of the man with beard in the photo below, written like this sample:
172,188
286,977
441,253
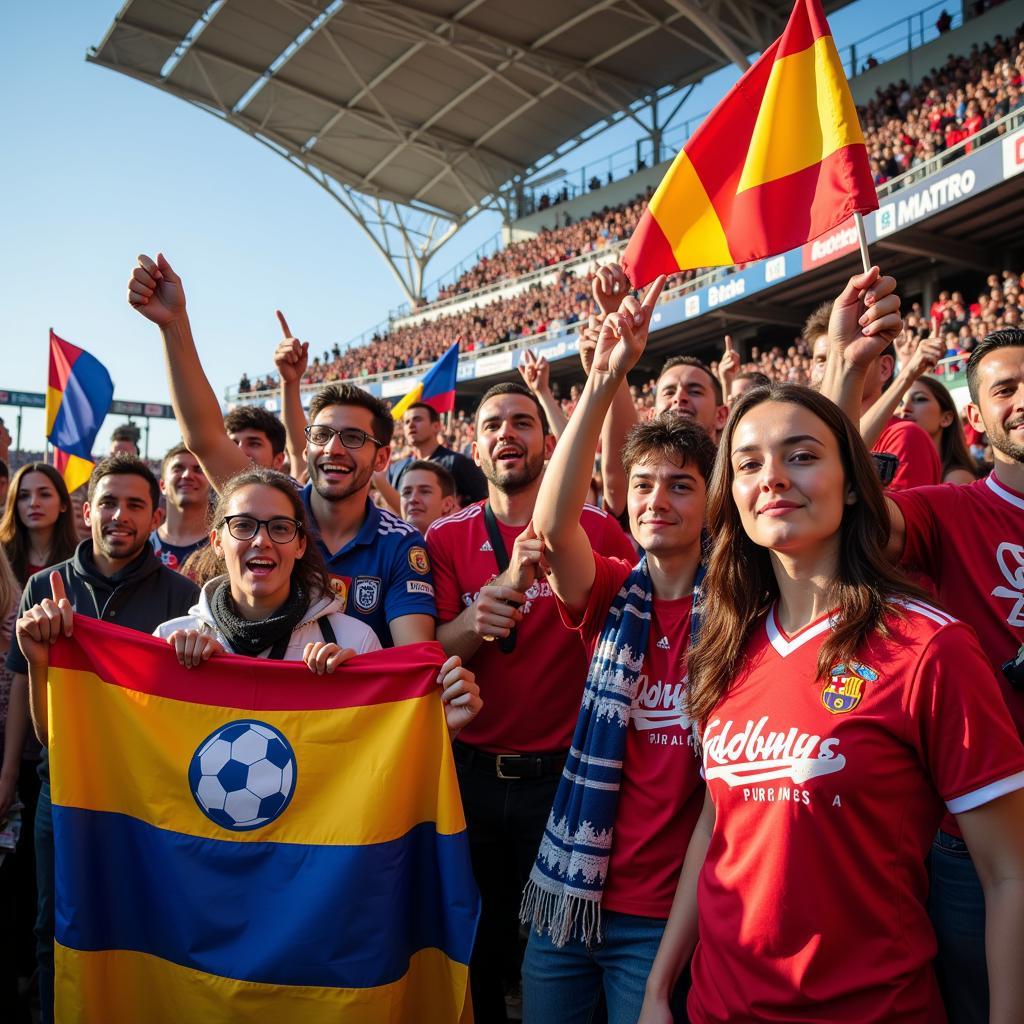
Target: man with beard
115,576
377,562
505,625
968,541
186,491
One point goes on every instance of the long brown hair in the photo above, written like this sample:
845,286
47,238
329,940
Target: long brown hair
309,570
740,583
10,594
952,445
14,533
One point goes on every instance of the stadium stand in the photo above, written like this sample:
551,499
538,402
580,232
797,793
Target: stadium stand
906,127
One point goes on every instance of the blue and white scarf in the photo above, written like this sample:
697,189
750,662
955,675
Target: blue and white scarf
563,895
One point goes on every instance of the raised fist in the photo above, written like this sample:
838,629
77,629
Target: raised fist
155,290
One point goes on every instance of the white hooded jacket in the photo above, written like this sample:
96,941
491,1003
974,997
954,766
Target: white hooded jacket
348,631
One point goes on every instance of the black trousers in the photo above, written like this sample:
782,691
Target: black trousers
505,820
18,903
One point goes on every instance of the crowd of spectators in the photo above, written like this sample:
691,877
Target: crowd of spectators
959,322
551,246
907,127
904,128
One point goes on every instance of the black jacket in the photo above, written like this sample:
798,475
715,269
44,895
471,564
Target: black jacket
141,596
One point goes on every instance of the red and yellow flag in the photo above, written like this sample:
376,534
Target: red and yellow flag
778,162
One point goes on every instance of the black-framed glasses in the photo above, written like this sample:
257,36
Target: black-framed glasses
351,437
280,529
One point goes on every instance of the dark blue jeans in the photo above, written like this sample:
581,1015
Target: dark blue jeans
44,918
563,984
956,904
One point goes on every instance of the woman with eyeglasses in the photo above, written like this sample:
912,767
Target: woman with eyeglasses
273,598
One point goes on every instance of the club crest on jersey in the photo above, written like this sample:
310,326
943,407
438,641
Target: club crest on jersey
845,688
418,560
339,587
366,593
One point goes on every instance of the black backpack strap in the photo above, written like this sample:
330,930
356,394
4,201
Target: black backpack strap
506,644
277,652
326,629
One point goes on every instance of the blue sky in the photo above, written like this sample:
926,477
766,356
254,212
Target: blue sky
98,167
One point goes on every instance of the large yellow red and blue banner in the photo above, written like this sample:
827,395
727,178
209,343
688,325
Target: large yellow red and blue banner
246,841
780,161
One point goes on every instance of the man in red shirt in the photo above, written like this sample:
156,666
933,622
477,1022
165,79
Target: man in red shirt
919,462
970,541
504,623
660,793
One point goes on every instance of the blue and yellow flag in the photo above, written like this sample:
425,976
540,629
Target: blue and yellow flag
78,396
437,389
249,842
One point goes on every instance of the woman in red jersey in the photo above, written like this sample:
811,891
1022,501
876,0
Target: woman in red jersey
839,714
930,405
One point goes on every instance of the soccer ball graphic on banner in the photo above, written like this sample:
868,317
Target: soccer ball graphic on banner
243,775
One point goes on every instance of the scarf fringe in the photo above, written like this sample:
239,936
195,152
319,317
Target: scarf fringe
562,914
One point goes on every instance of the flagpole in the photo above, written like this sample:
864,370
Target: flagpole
862,238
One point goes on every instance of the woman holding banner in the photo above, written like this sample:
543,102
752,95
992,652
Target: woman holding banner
839,714
273,599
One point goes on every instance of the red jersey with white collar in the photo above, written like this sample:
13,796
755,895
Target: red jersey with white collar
661,793
970,541
919,458
531,696
827,796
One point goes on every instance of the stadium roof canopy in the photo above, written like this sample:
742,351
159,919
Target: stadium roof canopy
415,116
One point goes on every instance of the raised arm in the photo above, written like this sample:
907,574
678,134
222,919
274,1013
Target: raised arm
865,320
610,287
556,516
536,373
917,357
728,368
156,292
291,357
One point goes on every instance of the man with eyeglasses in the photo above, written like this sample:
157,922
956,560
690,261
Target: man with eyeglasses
378,563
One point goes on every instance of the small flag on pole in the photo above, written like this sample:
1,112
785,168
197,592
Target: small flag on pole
778,162
78,396
437,389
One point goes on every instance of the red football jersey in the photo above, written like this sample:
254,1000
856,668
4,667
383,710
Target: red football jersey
662,794
827,795
531,696
919,458
970,541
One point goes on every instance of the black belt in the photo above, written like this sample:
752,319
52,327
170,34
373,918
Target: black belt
510,766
